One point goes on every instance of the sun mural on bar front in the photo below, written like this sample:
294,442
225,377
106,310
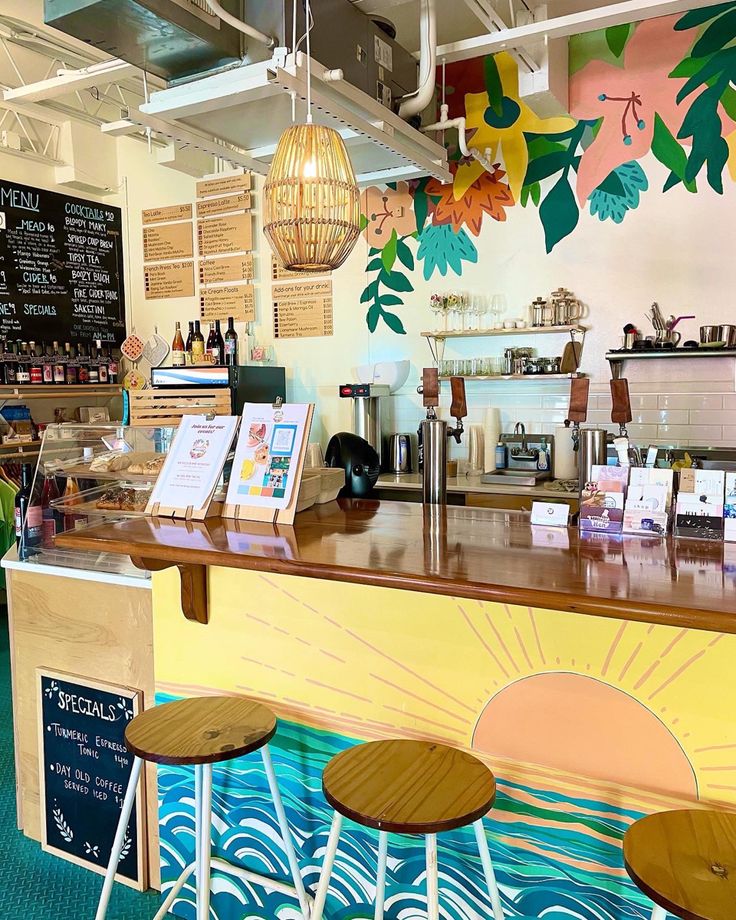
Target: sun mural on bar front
664,88
587,722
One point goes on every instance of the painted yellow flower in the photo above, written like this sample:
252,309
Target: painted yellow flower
504,130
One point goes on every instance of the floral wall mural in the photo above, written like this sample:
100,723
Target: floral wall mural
663,87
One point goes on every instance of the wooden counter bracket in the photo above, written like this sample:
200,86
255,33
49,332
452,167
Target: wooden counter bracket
193,580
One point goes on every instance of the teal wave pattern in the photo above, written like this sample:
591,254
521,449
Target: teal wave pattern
542,870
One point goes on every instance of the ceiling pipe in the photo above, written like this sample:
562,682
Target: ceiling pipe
241,26
414,103
446,122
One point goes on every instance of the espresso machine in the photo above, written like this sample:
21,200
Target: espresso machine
367,399
435,432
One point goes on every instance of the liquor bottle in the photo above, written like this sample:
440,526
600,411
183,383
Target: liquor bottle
94,367
72,370
49,516
82,364
188,345
231,344
58,365
72,521
211,347
9,365
112,370
178,351
28,519
23,373
102,363
47,368
35,372
220,343
197,344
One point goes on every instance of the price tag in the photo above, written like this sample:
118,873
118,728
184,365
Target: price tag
551,514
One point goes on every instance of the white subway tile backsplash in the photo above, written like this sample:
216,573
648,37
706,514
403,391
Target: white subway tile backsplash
643,432
729,401
713,417
703,434
729,434
692,401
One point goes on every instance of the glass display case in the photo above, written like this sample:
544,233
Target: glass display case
86,475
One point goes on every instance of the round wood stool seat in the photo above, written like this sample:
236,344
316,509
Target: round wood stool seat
685,861
409,787
203,730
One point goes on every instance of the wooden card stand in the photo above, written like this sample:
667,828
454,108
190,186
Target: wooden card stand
277,515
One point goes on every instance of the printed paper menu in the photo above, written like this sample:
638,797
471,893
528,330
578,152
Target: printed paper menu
194,463
267,454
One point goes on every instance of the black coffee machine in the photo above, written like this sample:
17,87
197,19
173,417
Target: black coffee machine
359,460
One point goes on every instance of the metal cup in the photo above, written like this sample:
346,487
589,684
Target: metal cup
727,334
709,334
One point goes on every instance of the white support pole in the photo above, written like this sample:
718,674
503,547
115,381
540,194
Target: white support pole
117,844
285,832
490,875
327,863
204,835
659,913
381,874
433,895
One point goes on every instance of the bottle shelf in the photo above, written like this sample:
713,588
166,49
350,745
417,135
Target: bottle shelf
485,333
537,377
54,390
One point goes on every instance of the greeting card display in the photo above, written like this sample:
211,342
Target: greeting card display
729,508
188,479
648,501
269,461
700,507
602,500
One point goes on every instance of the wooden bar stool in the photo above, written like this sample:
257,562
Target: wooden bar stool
200,732
685,861
408,787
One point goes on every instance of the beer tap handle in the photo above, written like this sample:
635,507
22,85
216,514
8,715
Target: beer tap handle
430,388
458,407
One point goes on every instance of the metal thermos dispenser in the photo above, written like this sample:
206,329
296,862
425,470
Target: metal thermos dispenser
435,432
367,411
593,451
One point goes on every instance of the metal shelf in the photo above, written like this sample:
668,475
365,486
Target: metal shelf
50,390
484,333
537,377
650,354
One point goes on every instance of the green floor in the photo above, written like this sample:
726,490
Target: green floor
33,884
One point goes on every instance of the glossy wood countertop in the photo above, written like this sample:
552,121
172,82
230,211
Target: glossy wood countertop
465,552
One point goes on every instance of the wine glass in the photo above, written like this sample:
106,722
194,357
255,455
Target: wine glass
436,306
498,309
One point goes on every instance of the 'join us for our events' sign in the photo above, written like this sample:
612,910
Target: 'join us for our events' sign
84,769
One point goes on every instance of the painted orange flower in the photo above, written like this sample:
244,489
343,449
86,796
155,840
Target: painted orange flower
487,195
387,209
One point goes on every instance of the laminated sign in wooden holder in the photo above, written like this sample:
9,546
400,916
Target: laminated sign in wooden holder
269,462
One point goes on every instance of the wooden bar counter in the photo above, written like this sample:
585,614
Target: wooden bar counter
594,675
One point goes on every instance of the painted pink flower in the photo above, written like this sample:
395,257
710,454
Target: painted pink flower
628,97
385,210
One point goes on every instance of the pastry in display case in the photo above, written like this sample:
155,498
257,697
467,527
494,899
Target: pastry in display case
89,474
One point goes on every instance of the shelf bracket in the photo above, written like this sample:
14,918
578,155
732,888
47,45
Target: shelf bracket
193,585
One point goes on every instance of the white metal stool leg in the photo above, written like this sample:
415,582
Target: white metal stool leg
485,858
204,840
285,832
433,894
329,860
381,874
659,913
117,845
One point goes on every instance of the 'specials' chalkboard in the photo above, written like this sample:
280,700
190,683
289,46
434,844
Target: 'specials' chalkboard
61,267
85,767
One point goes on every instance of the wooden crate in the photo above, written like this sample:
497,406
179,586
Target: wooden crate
166,407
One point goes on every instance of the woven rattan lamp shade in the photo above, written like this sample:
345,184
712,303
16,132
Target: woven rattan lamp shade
311,202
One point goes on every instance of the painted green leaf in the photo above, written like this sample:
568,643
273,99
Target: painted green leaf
702,123
717,35
363,222
666,149
374,265
539,145
372,316
531,193
370,292
616,38
421,204
524,197
395,280
373,251
393,322
728,101
612,185
406,257
713,66
494,87
546,166
697,17
687,67
536,194
390,300
388,253
559,213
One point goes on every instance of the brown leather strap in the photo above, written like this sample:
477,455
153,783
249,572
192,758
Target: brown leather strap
430,387
579,389
459,407
621,403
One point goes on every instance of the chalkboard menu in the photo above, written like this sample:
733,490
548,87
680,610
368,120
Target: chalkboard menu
61,267
84,768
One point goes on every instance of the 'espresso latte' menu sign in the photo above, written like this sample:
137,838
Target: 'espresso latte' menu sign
61,267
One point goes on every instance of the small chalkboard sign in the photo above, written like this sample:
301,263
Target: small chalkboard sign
84,769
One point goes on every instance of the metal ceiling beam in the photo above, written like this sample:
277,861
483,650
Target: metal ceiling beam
562,26
74,81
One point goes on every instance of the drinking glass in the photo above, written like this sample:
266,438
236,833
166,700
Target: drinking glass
498,309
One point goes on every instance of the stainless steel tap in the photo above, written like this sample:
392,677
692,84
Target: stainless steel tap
523,452
435,432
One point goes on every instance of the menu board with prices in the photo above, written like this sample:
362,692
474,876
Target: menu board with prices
222,302
302,309
237,202
224,185
224,235
169,279
226,269
84,768
166,214
279,272
61,267
167,241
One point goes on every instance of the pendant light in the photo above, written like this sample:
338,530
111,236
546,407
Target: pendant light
311,202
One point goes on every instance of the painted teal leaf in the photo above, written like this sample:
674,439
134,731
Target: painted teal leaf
390,300
559,213
393,322
440,248
372,316
616,38
697,17
702,123
406,257
723,61
546,166
397,281
717,35
619,192
494,87
370,292
388,253
374,265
